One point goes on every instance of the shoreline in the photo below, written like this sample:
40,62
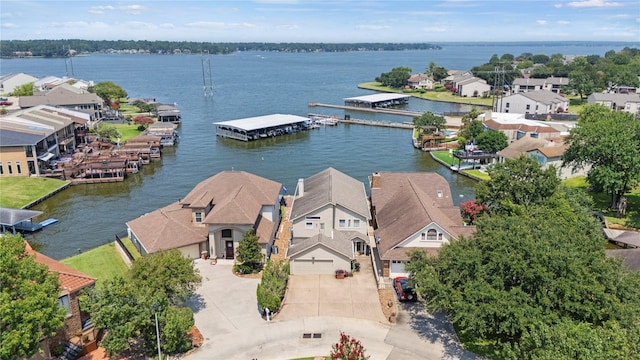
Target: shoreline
417,96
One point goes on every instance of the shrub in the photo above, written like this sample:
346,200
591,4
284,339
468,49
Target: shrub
348,348
273,286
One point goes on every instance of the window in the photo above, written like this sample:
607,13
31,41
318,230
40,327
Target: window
507,106
432,234
308,225
342,223
18,167
226,233
9,167
312,217
198,217
423,237
528,107
63,301
439,193
321,226
356,223
1,169
28,151
439,236
534,135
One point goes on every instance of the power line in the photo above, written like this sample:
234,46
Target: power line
207,82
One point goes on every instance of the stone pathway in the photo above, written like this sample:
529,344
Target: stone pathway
284,233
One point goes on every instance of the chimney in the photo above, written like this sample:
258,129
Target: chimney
300,187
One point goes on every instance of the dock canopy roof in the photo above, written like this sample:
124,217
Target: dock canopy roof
261,122
12,217
377,100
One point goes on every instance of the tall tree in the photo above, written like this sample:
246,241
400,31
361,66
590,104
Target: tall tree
108,91
492,141
396,78
524,274
125,306
29,308
249,251
516,183
609,142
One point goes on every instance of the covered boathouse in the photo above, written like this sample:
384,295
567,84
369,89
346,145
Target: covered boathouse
377,100
261,127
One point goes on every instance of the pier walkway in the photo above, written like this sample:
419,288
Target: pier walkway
387,124
374,110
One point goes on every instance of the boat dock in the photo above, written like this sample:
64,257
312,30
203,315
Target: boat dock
349,120
373,110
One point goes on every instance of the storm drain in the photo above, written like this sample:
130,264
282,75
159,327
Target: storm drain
311,335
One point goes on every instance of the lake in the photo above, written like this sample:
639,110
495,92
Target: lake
250,84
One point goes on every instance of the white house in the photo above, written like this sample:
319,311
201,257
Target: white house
534,102
420,81
617,102
9,82
553,84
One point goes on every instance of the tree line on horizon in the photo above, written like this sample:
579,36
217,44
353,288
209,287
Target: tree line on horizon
60,48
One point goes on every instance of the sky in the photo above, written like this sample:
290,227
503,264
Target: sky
330,21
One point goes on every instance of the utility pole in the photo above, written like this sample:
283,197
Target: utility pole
68,63
207,83
498,87
155,312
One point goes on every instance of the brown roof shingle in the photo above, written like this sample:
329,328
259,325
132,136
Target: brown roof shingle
70,279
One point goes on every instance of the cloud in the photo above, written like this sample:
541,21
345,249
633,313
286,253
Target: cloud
563,22
214,25
541,22
288,27
70,24
167,26
8,25
132,9
100,9
141,25
593,3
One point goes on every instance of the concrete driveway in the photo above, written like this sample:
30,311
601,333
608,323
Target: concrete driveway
324,295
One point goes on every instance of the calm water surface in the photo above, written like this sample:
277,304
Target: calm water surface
252,84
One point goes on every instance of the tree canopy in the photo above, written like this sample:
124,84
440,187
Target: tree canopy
535,282
108,91
29,293
515,183
23,90
125,306
396,78
608,141
430,119
492,141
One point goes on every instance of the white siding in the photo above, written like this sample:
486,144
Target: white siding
324,215
416,239
319,260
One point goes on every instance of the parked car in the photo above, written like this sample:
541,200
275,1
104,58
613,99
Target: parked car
403,290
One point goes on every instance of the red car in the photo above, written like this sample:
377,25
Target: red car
5,103
403,290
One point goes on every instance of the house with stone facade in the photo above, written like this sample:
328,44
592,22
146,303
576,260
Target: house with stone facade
78,334
213,217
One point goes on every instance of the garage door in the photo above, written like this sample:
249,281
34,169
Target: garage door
303,266
397,269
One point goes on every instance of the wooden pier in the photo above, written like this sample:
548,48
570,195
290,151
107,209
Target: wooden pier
387,124
373,110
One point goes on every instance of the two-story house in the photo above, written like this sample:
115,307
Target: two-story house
553,84
69,97
420,81
515,126
213,217
534,102
617,102
9,82
411,211
78,330
330,220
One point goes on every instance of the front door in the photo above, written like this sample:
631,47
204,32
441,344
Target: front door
229,251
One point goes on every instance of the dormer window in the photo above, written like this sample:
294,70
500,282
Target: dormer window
198,216
439,193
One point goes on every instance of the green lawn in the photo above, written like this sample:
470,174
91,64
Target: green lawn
103,262
430,95
132,249
127,131
445,156
477,173
602,202
17,192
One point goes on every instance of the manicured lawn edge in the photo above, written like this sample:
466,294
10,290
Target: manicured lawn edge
442,96
21,192
102,263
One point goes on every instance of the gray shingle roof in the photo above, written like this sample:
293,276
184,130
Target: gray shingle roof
333,187
543,97
10,137
340,243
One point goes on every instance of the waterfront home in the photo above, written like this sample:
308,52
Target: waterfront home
32,138
553,84
420,81
78,333
330,219
213,217
66,96
168,114
411,211
547,152
617,102
516,126
472,87
534,102
9,82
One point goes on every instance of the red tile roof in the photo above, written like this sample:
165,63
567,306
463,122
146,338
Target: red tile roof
70,279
